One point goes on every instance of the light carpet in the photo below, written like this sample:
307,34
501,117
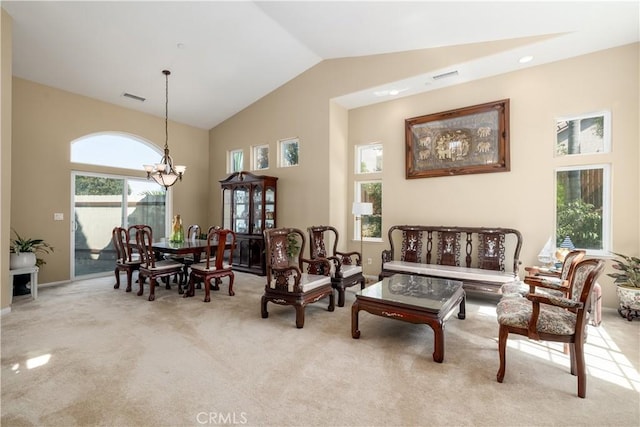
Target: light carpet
84,354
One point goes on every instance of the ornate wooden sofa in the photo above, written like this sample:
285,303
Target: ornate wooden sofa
482,258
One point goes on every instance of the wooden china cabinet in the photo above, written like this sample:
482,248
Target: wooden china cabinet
248,207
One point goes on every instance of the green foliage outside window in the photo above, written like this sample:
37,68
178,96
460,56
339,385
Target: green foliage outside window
372,224
98,186
582,222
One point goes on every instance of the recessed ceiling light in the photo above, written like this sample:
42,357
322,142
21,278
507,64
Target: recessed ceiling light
525,59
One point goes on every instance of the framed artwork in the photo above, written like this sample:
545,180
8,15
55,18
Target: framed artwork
464,141
585,134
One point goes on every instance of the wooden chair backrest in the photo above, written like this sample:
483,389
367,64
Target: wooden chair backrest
223,240
144,240
119,236
319,237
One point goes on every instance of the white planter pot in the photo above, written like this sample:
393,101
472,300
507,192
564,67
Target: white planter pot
22,260
629,300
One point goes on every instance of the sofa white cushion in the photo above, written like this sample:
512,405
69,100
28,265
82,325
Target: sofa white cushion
350,270
308,282
451,272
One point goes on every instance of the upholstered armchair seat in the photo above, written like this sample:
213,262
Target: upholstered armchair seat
307,282
516,312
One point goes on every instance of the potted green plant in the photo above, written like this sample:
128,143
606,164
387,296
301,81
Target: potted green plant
25,251
627,282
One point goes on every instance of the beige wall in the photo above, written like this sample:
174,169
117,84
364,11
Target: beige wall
5,155
522,198
45,121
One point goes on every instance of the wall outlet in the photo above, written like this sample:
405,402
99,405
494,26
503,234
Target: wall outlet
369,261
58,216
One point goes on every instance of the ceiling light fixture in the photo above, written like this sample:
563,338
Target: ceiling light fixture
164,173
525,59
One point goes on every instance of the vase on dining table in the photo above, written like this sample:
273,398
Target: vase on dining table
177,231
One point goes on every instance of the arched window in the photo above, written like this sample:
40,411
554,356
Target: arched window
102,201
114,149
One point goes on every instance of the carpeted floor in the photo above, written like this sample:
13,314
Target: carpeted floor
84,354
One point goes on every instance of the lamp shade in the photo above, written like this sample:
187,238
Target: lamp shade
360,209
567,243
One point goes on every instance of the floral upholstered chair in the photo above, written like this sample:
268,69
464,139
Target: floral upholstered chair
288,282
552,318
346,269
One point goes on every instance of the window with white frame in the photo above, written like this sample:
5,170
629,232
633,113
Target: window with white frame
260,155
583,207
288,152
368,158
369,192
586,134
235,160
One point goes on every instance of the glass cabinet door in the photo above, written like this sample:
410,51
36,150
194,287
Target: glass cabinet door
257,210
226,208
270,208
241,210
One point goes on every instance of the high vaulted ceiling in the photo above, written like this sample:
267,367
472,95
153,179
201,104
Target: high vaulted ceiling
226,55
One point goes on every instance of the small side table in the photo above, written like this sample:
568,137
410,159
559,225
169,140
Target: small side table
33,271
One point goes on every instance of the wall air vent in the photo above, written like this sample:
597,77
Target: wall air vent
445,75
136,97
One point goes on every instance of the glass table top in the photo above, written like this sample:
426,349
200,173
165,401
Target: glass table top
429,293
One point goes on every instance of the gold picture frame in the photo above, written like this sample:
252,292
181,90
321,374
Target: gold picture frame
456,142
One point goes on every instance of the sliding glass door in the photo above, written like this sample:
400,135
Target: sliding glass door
101,202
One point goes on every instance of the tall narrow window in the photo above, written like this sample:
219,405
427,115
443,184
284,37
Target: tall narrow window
584,134
289,150
370,192
235,161
369,158
583,207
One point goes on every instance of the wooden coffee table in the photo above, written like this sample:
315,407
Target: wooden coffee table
414,299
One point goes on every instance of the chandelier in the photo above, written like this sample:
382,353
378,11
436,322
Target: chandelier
164,173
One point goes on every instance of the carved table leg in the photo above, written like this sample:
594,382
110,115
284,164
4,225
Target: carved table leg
438,342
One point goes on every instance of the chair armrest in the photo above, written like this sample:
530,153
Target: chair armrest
554,300
542,282
386,255
319,266
347,256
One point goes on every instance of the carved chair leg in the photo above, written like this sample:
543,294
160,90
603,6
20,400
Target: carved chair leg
340,296
332,302
117,273
152,291
207,289
140,285
299,316
263,307
129,280
231,279
502,348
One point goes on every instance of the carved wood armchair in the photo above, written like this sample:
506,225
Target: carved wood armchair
552,318
288,281
346,270
215,266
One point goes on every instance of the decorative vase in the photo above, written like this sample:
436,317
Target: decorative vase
629,302
22,260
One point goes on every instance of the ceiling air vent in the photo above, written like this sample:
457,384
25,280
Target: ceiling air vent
136,97
445,75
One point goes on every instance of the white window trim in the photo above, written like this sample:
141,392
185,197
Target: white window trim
606,132
356,166
230,153
281,143
606,204
254,157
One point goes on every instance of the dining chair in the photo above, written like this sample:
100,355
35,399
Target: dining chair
346,267
127,259
150,267
288,282
215,266
552,318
